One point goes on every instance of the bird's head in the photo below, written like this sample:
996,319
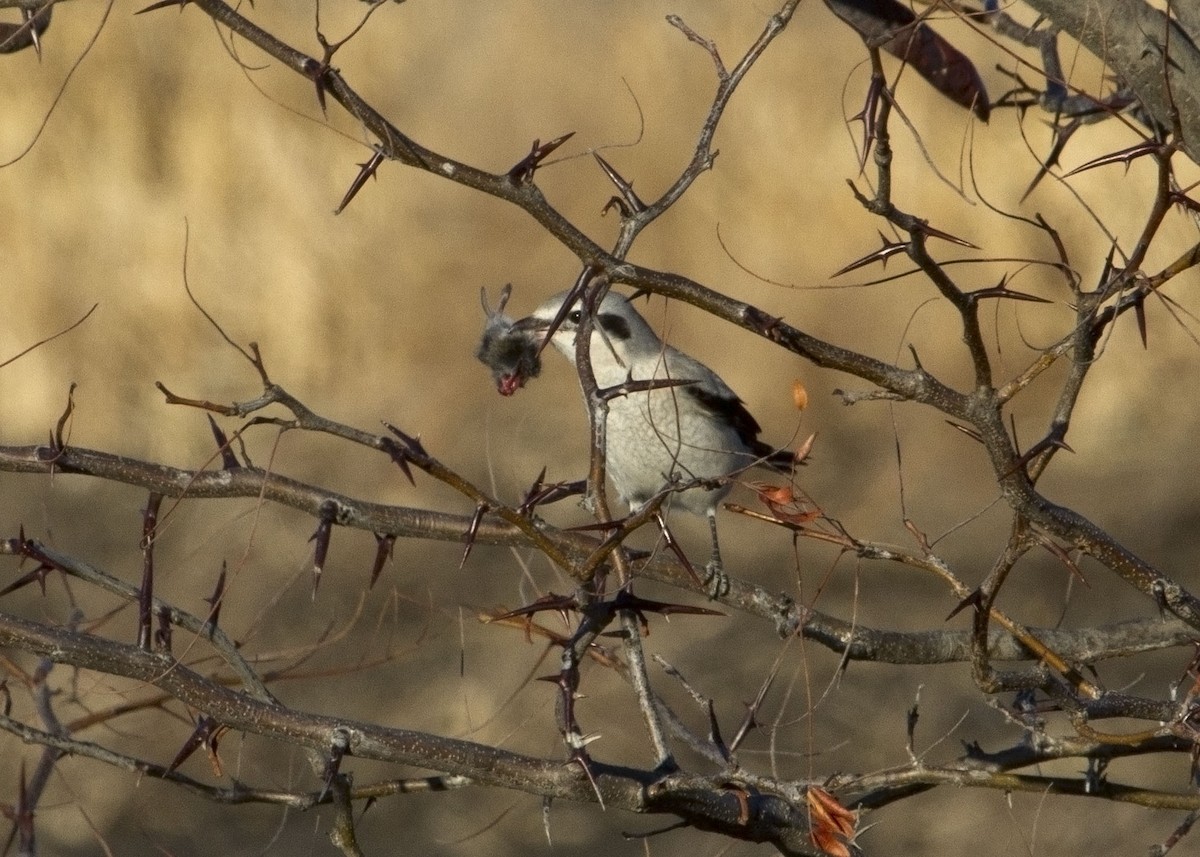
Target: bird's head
620,336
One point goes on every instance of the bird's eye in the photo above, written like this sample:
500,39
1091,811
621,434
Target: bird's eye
575,316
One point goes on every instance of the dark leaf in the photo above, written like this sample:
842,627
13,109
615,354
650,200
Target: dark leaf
893,27
27,34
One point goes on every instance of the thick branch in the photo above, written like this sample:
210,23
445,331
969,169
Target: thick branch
1139,43
851,639
703,803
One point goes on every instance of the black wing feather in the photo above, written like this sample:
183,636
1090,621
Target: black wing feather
732,410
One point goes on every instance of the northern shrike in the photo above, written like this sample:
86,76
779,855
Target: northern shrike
665,437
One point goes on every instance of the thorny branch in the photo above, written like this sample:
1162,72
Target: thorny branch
734,802
980,408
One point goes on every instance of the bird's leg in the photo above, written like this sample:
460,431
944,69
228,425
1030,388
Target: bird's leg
716,582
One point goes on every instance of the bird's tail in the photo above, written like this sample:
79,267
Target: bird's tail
782,460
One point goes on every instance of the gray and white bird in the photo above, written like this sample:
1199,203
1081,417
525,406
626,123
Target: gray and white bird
669,436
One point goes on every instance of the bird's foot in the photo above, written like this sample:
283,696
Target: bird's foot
716,581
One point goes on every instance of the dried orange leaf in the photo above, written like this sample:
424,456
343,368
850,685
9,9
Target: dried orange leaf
799,394
843,819
828,842
832,824
805,448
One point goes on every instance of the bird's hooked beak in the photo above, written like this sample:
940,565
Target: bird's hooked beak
531,324
533,327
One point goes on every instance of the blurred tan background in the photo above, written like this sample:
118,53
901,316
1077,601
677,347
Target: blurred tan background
374,315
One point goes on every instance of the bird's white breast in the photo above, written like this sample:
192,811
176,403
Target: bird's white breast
663,436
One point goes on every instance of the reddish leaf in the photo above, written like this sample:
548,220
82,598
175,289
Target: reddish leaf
786,503
832,824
